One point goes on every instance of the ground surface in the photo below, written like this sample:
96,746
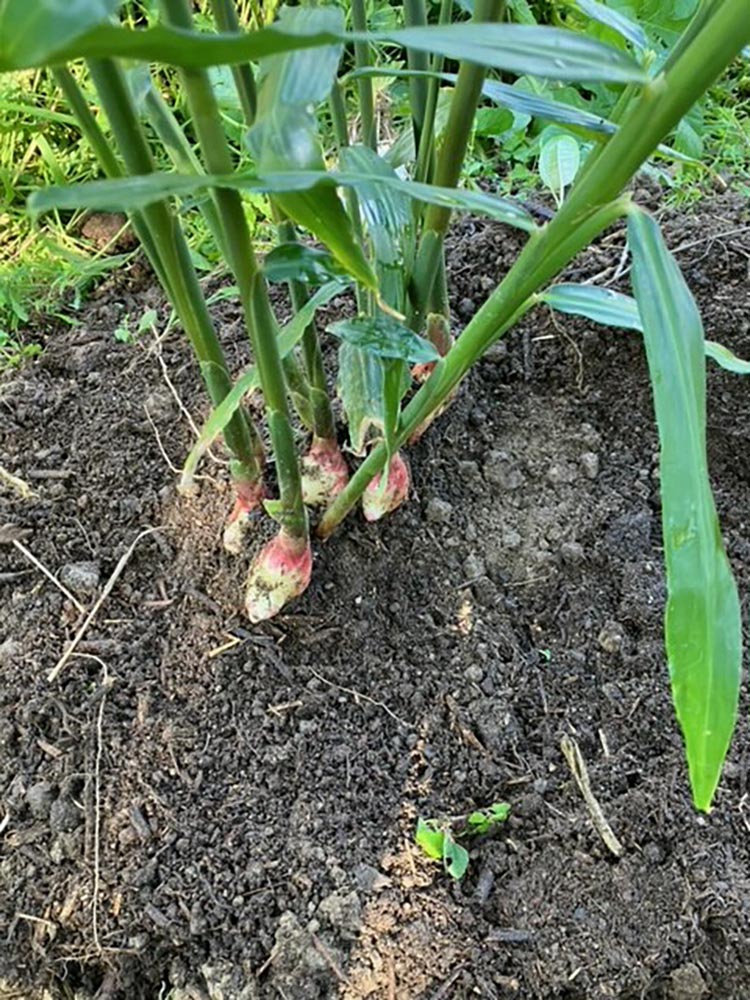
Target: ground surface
190,815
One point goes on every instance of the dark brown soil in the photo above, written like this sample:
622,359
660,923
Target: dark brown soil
198,808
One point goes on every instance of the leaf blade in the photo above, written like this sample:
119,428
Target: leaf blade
553,53
610,308
385,338
627,29
131,194
702,620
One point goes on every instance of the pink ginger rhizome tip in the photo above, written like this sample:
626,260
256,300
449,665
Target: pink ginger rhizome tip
279,573
381,498
324,472
250,497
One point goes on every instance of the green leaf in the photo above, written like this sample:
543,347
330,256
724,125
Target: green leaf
31,29
249,381
493,122
285,136
514,98
553,53
559,160
385,338
455,857
297,262
131,194
304,76
610,308
430,839
160,44
702,622
394,373
386,210
483,820
626,28
548,52
726,358
360,388
602,305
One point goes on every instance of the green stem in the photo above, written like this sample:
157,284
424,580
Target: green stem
591,206
225,15
323,422
426,149
448,170
415,16
181,154
181,282
227,21
261,322
107,160
363,57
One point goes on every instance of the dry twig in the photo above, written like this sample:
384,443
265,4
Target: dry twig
55,671
577,765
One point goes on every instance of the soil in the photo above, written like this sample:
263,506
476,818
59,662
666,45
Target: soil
200,808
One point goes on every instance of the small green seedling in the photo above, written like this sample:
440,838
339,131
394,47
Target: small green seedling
14,353
438,838
126,335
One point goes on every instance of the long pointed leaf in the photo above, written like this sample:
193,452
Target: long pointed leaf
702,622
285,133
130,194
513,98
549,52
610,308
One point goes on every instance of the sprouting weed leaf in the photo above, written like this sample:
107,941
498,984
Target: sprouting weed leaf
147,320
386,338
483,820
455,857
430,838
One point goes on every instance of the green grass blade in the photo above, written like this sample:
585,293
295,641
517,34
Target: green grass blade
610,308
131,194
702,622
